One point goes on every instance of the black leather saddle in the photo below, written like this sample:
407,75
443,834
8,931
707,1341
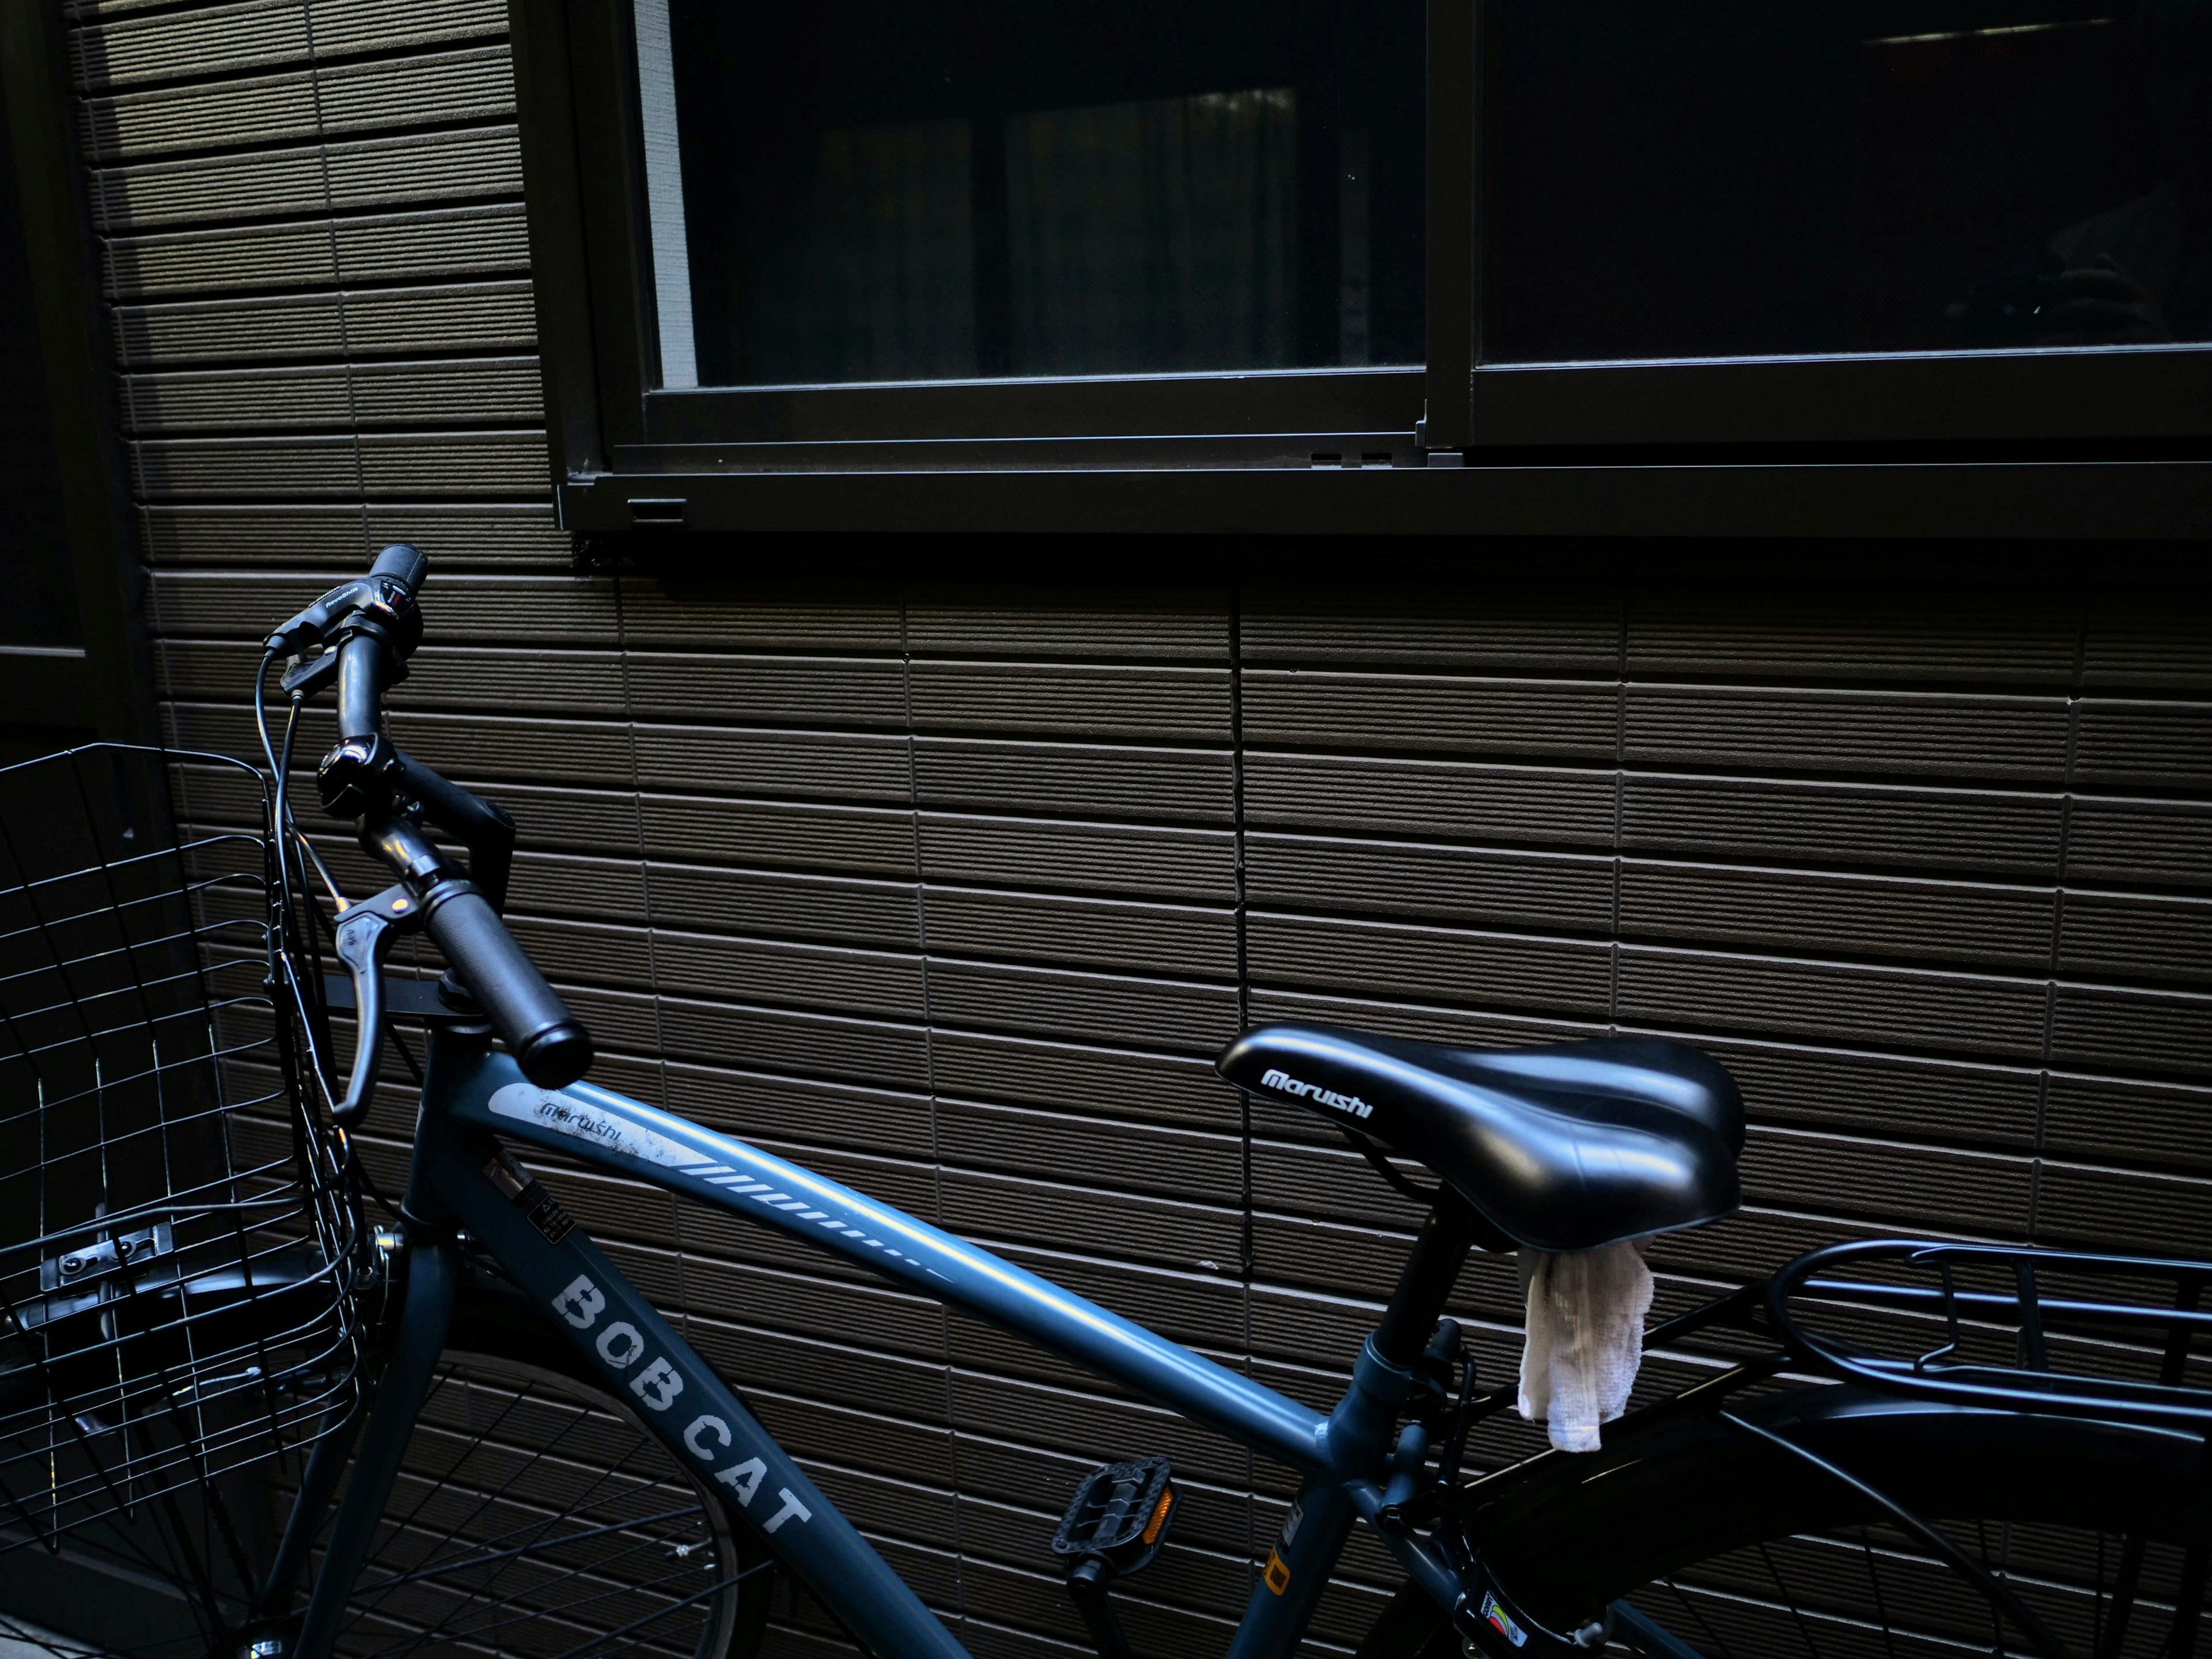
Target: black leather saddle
1563,1148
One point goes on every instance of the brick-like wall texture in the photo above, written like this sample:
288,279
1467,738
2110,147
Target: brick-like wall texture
952,893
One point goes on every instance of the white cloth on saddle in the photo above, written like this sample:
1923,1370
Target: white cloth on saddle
1585,1338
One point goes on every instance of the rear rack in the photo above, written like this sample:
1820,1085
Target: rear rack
1986,1297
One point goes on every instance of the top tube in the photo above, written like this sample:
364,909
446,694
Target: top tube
485,1088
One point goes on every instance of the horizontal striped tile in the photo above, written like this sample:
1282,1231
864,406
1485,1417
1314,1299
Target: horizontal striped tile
354,177
758,1105
1953,736
884,913
1063,1003
1168,625
2104,1028
2121,936
333,537
848,766
1146,1229
248,35
1977,924
1138,704
563,610
414,464
1547,718
1501,630
2130,744
468,317
675,614
1918,1185
1881,1007
2132,1209
1150,859
1091,932
1183,785
1421,1018
2155,1123
767,690
236,329
1823,636
1330,1183
1373,958
779,835
814,1045
1986,831
2147,842
1143,1158
565,681
1526,804
1889,1095
404,248
844,979
473,391
473,84
2130,646
1546,892
1182,1090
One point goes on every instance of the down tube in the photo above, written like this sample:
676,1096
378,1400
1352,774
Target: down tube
688,1406
485,1089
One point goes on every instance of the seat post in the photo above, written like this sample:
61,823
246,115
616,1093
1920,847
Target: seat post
1441,1246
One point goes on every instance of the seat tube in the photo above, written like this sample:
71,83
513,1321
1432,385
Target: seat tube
1295,1572
1360,1438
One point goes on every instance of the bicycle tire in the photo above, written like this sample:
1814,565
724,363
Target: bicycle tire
536,1515
1742,1550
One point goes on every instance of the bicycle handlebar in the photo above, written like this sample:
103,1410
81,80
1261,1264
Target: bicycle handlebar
404,563
548,1042
372,626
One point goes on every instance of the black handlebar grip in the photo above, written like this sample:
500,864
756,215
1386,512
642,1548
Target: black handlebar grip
405,564
546,1040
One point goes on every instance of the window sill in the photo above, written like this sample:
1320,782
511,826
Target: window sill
2126,499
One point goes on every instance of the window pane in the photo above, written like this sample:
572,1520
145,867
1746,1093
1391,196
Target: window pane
881,191
1723,177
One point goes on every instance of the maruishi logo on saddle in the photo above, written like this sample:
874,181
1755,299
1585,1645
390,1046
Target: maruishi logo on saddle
1313,1091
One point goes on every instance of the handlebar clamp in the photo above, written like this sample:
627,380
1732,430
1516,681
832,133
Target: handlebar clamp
355,779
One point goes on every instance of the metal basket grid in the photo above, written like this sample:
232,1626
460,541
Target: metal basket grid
180,1250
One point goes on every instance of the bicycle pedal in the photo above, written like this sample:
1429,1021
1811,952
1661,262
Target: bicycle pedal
1120,1517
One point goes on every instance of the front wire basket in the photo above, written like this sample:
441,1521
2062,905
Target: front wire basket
181,1253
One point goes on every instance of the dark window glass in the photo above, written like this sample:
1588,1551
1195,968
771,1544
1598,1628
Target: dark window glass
1723,177
888,191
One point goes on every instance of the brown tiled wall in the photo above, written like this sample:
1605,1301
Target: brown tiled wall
952,893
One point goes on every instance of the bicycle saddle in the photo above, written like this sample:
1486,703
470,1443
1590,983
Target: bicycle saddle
1562,1148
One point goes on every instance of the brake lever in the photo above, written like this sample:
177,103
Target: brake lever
365,933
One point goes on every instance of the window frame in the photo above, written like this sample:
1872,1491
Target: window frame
2101,442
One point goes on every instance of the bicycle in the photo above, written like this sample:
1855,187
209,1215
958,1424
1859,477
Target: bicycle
469,1430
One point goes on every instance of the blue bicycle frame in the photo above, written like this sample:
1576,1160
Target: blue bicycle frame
474,1097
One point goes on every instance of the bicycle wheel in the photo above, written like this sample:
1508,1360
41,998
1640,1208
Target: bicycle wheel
1736,1550
535,1514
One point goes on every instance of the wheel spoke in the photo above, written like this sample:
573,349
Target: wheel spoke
1789,1602
2182,1644
1880,1607
547,1521
485,1557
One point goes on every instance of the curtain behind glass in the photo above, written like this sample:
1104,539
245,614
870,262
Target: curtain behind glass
859,258
1151,236
1154,236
